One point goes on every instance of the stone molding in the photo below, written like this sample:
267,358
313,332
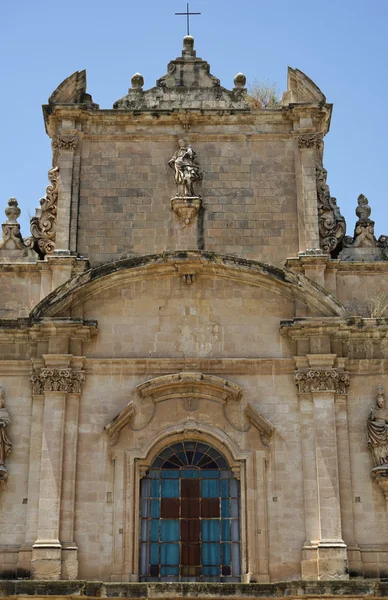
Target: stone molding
57,380
171,264
321,380
192,385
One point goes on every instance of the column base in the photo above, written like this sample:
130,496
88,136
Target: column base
46,560
324,562
69,561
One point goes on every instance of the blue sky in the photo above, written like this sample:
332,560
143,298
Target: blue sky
342,45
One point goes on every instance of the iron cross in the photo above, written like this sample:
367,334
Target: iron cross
188,13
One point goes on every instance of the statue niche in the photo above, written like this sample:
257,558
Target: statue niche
187,171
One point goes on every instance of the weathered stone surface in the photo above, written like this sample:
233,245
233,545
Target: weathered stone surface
157,314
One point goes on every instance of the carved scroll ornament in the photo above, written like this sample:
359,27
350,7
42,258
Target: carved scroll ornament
5,443
332,226
57,380
43,225
321,380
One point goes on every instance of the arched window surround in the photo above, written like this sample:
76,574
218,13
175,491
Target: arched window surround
131,461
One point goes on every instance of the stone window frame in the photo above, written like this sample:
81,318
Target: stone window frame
130,465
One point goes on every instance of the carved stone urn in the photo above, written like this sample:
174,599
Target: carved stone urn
186,208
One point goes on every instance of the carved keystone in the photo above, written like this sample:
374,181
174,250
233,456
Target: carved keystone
186,209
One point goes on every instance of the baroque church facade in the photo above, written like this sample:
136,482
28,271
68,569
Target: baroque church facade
192,352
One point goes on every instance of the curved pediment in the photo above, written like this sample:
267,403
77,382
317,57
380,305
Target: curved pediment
190,387
188,265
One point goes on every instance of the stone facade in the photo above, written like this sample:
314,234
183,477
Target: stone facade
188,278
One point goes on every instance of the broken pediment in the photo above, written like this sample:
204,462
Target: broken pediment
190,388
72,90
301,88
187,84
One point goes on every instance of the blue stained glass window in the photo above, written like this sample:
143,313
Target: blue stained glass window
210,488
190,528
170,488
169,554
210,529
169,530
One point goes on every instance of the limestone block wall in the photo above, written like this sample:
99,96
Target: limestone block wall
167,318
19,289
248,191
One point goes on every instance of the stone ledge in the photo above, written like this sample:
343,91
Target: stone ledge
356,588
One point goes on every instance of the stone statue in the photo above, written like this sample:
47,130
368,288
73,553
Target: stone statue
377,430
5,444
186,169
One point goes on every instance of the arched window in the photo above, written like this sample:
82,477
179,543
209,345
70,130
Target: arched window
190,516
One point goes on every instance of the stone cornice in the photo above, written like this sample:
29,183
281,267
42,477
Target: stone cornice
169,264
321,380
336,328
194,385
165,366
30,330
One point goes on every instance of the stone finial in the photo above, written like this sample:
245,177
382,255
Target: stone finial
363,209
363,246
240,81
12,212
11,236
188,47
137,81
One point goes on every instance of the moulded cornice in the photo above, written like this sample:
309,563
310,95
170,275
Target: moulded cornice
33,330
194,385
169,264
336,328
121,420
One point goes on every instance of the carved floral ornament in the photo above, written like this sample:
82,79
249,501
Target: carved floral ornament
307,141
67,142
57,380
321,380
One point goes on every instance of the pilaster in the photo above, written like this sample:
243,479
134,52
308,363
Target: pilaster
324,555
64,146
59,379
306,142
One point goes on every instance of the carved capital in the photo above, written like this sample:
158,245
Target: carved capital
66,142
309,140
57,380
321,380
